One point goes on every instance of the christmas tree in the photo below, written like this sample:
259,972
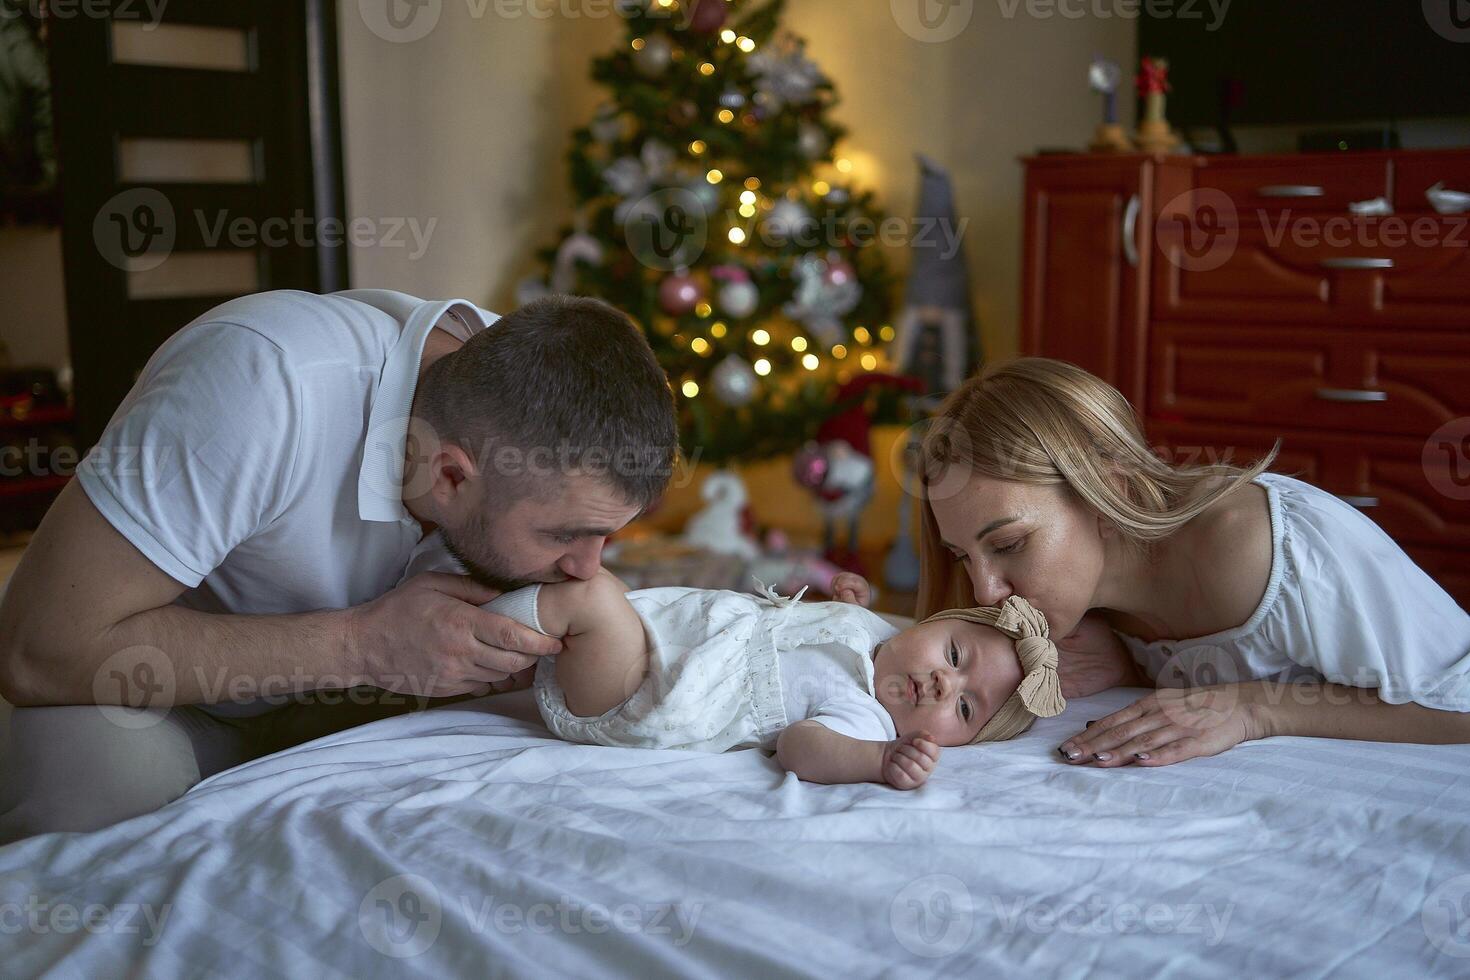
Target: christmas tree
712,208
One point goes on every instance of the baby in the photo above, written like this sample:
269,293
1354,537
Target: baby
839,693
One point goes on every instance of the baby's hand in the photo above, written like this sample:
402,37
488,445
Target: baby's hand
851,588
908,761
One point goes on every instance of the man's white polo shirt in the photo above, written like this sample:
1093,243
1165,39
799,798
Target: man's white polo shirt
258,459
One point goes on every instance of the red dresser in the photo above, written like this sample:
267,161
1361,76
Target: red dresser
1321,300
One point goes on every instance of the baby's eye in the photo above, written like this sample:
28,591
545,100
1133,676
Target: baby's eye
954,655
965,711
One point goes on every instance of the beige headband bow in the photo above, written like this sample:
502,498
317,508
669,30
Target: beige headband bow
1040,693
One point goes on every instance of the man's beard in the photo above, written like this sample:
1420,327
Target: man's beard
494,575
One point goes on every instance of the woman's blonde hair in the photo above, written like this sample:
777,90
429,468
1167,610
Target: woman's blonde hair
1039,421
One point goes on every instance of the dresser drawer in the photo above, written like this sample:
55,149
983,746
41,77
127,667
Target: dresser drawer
1306,182
1351,381
1419,497
1402,270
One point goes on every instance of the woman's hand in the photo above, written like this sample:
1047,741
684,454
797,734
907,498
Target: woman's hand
1093,659
908,761
1171,725
851,588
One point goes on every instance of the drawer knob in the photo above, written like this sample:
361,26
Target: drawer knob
1291,190
1351,395
1357,263
1362,503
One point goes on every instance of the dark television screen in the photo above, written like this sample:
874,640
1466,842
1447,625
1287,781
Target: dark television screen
1312,61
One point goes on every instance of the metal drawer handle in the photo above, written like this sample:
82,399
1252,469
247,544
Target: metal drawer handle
1362,503
1292,190
1357,263
1351,395
1130,230
1446,201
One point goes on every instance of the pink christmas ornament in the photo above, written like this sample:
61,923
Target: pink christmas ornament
809,466
679,294
709,16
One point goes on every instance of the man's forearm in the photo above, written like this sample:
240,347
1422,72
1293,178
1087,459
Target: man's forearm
1335,711
173,655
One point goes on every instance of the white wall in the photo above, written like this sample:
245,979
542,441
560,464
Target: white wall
466,127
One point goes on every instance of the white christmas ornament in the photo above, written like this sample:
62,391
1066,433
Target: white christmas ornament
607,126
579,246
784,74
788,219
627,177
653,59
739,299
734,382
811,141
825,292
657,159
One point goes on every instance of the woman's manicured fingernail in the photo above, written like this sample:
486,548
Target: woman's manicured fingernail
1102,756
1140,755
1070,753
1093,722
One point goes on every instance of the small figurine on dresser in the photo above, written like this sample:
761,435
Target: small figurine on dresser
1154,134
1103,77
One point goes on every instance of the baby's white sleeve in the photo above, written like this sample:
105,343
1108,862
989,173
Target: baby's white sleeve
859,717
519,605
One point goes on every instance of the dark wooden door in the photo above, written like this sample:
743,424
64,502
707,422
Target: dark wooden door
1088,244
199,160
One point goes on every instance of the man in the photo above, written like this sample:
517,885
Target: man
226,562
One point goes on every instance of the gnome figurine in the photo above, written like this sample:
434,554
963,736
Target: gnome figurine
936,340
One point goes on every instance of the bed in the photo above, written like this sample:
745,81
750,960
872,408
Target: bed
464,841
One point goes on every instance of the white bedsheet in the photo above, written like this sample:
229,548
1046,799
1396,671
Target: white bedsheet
462,842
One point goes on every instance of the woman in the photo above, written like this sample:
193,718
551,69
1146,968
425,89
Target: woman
1221,584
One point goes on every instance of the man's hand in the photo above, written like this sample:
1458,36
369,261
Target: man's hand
851,588
1093,659
908,761
428,638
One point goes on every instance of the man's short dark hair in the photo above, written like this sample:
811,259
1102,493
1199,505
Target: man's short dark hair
565,385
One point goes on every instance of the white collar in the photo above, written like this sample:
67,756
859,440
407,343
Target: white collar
380,481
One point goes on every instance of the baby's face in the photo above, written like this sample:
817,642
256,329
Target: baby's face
947,678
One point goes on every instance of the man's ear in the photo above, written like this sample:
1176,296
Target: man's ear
452,470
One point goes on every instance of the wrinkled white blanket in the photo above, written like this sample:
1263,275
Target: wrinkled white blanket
465,842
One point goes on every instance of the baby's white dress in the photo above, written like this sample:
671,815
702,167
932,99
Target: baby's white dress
727,670
1343,602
